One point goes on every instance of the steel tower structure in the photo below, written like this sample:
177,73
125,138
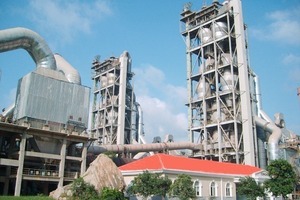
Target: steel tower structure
221,99
113,100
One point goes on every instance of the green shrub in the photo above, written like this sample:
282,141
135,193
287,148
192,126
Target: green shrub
111,194
83,191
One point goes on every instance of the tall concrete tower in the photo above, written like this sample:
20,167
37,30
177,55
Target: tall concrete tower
221,99
114,101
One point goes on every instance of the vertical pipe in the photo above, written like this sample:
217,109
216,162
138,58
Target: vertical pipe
140,123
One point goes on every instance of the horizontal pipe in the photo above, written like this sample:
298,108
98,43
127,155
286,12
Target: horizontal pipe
133,148
8,112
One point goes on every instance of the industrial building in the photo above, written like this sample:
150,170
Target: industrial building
44,135
114,108
225,112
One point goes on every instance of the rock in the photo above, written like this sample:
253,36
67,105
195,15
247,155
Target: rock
101,173
57,193
104,173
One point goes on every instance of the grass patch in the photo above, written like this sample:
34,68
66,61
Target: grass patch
25,198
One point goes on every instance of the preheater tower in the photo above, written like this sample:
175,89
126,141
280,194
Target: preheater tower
113,100
220,101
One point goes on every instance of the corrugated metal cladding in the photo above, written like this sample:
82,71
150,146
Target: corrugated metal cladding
45,98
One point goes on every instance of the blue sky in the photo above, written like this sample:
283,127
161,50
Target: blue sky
150,31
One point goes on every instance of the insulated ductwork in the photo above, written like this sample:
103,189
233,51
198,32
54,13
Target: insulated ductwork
274,137
133,148
29,40
8,112
66,68
141,123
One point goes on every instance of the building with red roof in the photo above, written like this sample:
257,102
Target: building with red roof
211,178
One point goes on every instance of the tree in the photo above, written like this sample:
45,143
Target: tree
83,191
183,187
282,178
111,194
249,188
147,184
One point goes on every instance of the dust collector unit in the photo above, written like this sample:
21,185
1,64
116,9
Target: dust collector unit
50,96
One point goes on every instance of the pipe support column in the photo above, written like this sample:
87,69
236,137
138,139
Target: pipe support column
83,156
21,165
62,163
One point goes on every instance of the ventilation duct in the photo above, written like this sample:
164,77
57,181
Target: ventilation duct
274,137
66,68
34,44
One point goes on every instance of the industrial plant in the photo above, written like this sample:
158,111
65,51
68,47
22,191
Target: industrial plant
45,138
225,110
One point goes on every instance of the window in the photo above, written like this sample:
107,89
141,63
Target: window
213,189
198,188
228,188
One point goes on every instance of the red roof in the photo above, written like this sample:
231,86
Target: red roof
180,163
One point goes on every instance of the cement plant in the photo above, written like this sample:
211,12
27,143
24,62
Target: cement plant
44,135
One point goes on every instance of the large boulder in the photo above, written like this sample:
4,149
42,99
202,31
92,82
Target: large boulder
101,173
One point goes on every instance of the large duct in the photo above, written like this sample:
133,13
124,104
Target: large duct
8,112
67,69
133,148
274,137
32,42
141,123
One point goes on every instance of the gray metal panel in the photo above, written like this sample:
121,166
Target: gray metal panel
45,98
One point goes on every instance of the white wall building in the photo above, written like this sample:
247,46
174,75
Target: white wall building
212,180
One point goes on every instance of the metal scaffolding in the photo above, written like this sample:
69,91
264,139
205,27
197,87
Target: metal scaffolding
113,100
220,104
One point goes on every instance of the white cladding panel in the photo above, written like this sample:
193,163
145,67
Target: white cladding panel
45,98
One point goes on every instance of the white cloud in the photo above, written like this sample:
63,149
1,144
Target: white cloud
147,78
291,59
176,94
160,120
294,75
67,18
284,27
162,104
293,66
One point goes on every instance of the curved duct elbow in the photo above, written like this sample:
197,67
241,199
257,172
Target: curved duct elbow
274,137
33,43
67,69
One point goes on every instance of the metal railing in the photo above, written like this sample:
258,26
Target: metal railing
45,173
